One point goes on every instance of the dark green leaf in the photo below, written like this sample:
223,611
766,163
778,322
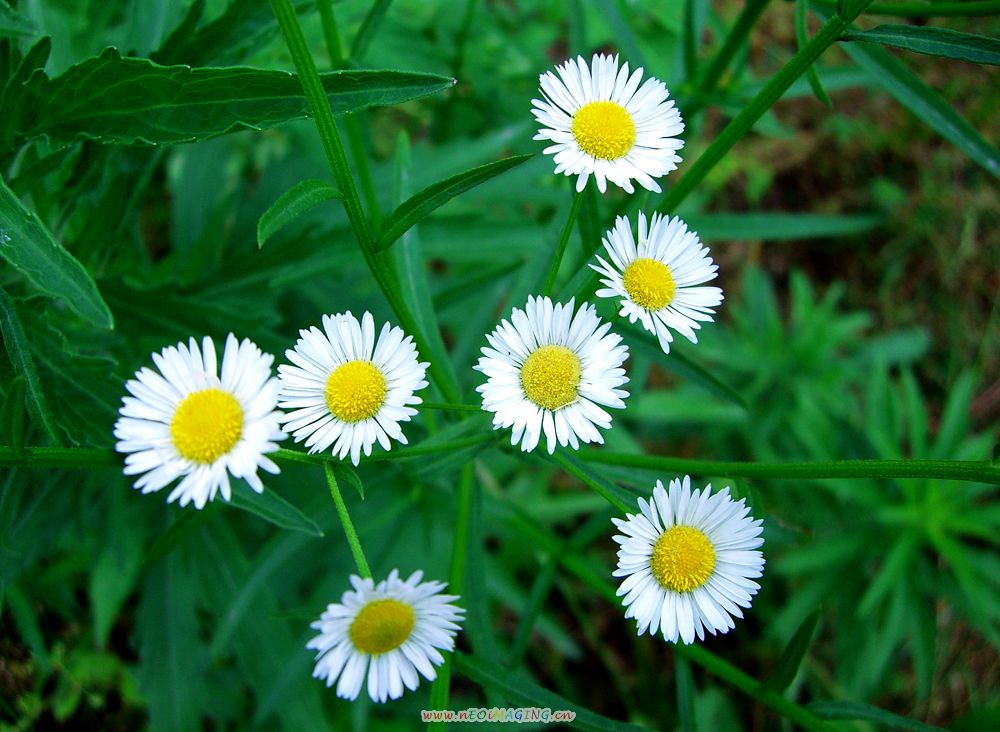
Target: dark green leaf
520,691
13,414
272,508
132,100
369,26
14,24
686,692
183,527
113,578
20,356
421,204
295,201
802,36
345,474
933,41
781,226
856,711
791,658
27,245
923,101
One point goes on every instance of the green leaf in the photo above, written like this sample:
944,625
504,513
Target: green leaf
135,101
20,356
686,693
27,245
520,691
14,24
423,203
856,711
347,474
13,414
369,26
781,226
933,41
183,527
113,578
272,508
802,37
292,203
923,101
791,658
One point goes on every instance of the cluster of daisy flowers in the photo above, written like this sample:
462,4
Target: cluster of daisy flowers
552,369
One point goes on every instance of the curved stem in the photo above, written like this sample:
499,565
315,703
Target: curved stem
345,519
927,10
563,240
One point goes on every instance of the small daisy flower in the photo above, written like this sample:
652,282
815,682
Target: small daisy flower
659,280
349,389
386,632
550,370
187,421
603,124
689,560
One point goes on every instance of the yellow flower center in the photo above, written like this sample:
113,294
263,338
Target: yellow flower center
355,391
604,130
649,283
683,559
550,376
381,626
206,425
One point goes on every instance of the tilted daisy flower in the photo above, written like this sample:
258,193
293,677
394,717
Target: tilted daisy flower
602,123
387,632
688,560
349,389
551,369
189,422
660,279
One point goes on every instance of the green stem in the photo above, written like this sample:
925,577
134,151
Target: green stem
448,407
330,34
368,28
355,138
345,519
563,240
440,691
763,101
734,41
333,148
927,10
979,471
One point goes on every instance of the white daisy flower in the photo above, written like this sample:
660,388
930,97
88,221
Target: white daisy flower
689,560
349,389
388,632
659,280
550,371
603,124
187,421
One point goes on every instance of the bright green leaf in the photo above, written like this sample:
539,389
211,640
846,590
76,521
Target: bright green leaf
272,508
423,203
131,100
294,202
933,41
29,247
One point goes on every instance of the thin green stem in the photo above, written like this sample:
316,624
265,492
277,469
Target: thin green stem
927,10
979,471
746,20
763,101
449,407
356,141
440,691
330,33
368,28
557,256
345,519
336,157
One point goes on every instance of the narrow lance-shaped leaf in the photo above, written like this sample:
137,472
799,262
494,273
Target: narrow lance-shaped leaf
29,247
791,658
923,101
933,41
802,37
855,710
411,211
20,356
131,100
294,202
273,508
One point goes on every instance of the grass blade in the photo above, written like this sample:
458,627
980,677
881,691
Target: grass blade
791,658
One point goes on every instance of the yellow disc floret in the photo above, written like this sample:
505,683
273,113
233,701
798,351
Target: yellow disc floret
550,376
206,425
604,130
650,283
381,626
355,391
683,559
